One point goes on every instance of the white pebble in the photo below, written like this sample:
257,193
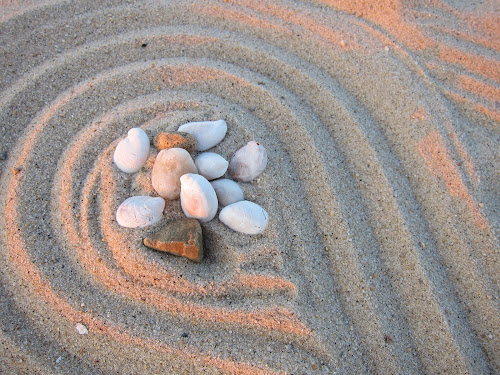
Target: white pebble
82,330
140,211
131,153
206,133
198,198
170,165
211,165
248,162
227,191
245,217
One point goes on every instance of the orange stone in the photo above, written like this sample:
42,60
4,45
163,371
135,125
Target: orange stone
175,139
181,237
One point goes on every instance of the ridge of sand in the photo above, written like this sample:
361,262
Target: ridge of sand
381,124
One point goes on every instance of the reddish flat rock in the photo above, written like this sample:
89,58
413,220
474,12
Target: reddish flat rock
181,237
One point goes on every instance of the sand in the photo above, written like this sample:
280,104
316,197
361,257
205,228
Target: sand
382,125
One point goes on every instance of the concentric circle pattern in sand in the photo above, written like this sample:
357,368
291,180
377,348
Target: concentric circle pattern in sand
381,124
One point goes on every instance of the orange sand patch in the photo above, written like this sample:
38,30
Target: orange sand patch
437,158
468,161
489,24
486,42
262,282
485,26
240,17
477,64
491,113
479,88
302,21
419,114
388,14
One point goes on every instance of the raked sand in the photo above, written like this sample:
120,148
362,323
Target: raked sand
381,120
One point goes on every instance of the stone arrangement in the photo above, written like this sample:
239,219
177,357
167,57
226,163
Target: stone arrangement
197,183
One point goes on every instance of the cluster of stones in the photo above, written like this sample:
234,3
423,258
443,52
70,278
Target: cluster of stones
197,183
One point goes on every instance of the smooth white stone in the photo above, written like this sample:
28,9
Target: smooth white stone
198,198
131,153
82,330
245,217
170,165
140,211
211,165
248,162
206,133
227,191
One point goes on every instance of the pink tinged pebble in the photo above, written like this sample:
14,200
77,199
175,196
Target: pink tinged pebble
206,133
245,217
248,162
131,153
198,198
170,165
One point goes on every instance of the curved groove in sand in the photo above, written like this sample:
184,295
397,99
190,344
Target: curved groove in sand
380,121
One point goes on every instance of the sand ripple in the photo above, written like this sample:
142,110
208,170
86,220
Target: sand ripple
382,130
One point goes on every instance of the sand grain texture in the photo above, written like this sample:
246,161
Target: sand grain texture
382,127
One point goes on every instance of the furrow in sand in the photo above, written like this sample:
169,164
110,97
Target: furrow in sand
381,125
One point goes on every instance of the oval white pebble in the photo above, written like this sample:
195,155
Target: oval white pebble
82,330
245,217
131,153
248,162
211,165
140,211
206,133
170,165
198,198
227,191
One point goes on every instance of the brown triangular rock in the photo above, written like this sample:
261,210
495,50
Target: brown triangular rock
175,139
181,237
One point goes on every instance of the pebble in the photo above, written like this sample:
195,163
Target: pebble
131,153
248,162
169,166
227,191
211,165
183,140
198,198
140,211
181,237
3,156
207,133
245,217
82,330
